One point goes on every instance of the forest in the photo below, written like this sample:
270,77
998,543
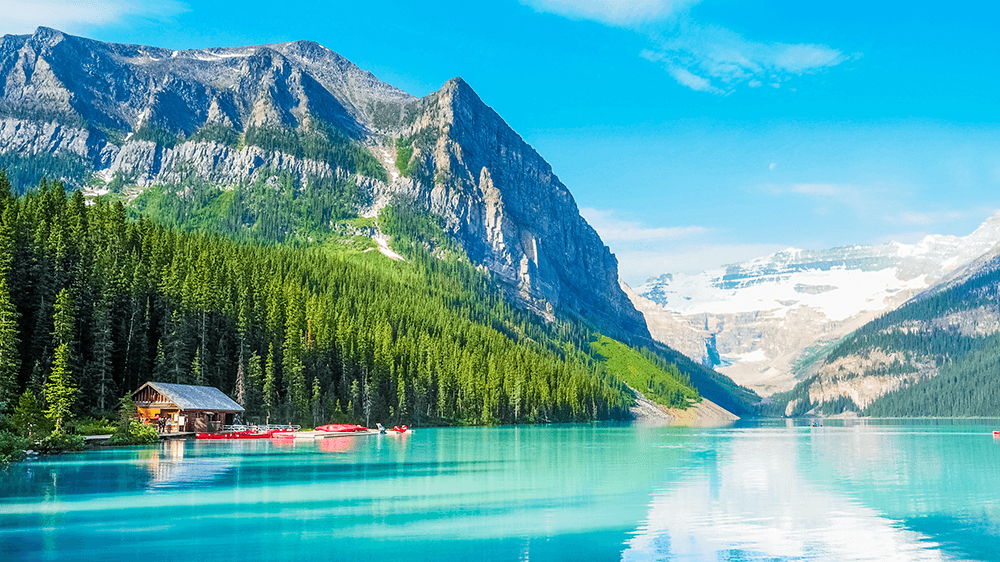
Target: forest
93,304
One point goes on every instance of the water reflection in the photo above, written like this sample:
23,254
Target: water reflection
755,497
168,467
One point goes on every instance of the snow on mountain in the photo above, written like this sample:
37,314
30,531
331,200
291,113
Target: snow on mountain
763,320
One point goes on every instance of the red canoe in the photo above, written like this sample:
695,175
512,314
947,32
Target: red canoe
248,434
341,428
996,434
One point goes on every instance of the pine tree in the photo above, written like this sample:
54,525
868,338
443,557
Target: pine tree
10,362
270,383
317,403
60,393
255,386
292,366
241,397
63,319
28,417
196,368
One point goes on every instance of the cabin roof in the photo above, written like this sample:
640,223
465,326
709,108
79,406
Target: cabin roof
190,397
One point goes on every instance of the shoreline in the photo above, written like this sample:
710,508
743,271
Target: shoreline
703,414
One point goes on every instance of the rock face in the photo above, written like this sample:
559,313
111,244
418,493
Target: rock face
769,322
106,108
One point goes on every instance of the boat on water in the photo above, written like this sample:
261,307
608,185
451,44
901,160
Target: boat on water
332,430
341,428
248,433
996,434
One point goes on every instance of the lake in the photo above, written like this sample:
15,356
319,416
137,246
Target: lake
774,490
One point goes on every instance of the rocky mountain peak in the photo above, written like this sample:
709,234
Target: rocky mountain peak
136,112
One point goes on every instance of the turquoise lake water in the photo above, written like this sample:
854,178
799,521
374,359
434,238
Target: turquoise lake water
863,490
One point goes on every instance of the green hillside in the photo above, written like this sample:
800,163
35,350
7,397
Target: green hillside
660,382
308,333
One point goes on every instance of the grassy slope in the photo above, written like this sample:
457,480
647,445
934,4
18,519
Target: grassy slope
665,387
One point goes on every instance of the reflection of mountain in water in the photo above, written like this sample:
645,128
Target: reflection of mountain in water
755,499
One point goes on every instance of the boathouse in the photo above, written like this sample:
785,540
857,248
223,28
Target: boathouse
185,407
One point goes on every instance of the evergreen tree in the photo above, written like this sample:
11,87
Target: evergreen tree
270,383
241,397
60,393
10,363
196,368
63,319
255,387
317,404
28,417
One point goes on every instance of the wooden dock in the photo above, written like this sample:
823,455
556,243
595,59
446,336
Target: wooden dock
98,439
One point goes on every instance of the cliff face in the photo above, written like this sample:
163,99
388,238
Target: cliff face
139,115
511,212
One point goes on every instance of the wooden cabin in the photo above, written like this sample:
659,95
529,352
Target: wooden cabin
185,407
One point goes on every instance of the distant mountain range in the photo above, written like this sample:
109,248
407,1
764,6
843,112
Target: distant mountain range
282,141
771,322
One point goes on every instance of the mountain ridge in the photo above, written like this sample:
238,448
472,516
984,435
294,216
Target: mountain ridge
767,321
124,118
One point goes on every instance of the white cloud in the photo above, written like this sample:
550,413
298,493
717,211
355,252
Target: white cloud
684,77
612,12
705,58
722,59
613,229
22,17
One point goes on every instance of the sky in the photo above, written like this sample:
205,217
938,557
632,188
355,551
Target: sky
691,133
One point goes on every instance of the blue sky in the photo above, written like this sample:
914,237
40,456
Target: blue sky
692,133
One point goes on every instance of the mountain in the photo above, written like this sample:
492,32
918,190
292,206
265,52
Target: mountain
769,322
937,355
282,142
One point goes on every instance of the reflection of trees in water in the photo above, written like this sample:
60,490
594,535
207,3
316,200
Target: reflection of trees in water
754,496
169,468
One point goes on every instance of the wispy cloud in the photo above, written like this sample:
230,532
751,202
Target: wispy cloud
612,12
613,229
870,203
710,58
705,58
24,16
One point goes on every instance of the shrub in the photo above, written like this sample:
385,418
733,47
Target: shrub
134,432
59,442
12,447
96,427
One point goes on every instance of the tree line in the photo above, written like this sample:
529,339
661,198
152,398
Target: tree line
93,304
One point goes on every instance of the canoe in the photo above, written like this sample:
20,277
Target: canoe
996,434
313,435
341,427
249,434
